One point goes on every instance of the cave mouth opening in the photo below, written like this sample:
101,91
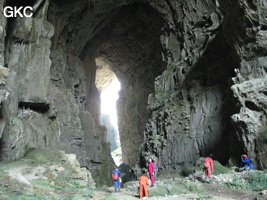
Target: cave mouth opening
129,47
109,86
109,118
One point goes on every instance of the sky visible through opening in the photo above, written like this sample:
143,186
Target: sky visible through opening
109,96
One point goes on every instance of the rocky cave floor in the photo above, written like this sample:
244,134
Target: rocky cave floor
51,175
233,185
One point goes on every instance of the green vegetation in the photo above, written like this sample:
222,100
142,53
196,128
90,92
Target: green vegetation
41,182
256,181
158,192
43,195
78,185
3,174
201,196
18,196
194,187
79,197
236,183
56,182
110,198
46,183
40,156
176,187
219,168
117,151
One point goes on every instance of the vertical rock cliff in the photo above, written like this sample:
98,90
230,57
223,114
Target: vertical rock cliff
211,98
246,35
192,102
192,73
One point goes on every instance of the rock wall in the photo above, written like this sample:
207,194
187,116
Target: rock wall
25,111
135,58
211,59
2,34
189,116
3,70
246,35
207,95
46,105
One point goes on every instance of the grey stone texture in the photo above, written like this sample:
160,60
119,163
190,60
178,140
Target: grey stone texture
28,84
193,76
2,34
211,98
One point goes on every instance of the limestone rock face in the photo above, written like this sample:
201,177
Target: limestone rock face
2,34
248,39
246,122
198,108
45,107
190,107
136,58
28,84
121,43
104,75
3,71
193,80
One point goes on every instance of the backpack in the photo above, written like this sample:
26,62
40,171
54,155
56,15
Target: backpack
115,175
206,163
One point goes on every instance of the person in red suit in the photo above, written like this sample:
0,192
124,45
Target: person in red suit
151,171
208,168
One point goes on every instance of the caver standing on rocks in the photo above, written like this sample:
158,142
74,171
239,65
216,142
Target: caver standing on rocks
116,177
247,162
155,168
151,171
208,168
143,183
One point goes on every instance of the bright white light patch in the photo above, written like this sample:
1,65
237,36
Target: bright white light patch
109,96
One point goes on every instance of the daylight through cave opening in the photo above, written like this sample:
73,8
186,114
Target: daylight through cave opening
128,47
193,82
109,87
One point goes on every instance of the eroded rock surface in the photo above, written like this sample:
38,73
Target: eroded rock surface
193,80
194,112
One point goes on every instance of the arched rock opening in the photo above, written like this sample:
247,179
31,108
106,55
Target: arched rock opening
50,100
132,48
127,37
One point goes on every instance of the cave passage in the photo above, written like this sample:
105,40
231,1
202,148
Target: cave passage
192,83
128,47
108,118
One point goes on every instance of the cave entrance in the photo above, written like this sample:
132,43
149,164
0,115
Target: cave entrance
109,118
131,46
126,45
109,87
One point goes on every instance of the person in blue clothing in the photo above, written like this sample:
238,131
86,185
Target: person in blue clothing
116,178
155,168
247,162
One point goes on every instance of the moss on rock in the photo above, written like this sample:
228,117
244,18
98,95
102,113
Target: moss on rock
220,169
